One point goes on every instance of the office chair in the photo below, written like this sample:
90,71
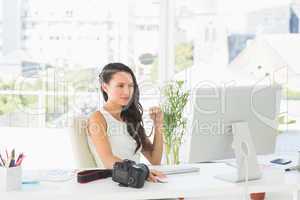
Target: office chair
78,135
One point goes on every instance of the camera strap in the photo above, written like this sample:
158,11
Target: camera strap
93,174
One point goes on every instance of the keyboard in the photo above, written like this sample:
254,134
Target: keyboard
175,169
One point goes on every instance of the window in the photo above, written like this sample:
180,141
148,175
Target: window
58,47
65,44
215,37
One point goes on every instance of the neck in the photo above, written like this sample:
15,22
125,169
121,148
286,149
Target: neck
113,108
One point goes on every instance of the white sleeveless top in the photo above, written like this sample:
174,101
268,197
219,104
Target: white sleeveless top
122,144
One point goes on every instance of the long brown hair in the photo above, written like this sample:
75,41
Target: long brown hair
132,113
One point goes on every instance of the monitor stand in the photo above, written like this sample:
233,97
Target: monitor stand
244,150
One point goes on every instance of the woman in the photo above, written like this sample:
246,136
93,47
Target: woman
116,132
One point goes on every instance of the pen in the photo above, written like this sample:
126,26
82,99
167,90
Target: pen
20,160
6,154
12,161
7,164
13,154
2,160
20,155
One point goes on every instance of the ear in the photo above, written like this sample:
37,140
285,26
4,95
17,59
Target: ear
104,87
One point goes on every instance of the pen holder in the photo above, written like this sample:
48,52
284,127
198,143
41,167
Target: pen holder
10,178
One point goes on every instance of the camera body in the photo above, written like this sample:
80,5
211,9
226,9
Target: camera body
130,174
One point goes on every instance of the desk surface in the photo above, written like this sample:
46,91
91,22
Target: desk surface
199,184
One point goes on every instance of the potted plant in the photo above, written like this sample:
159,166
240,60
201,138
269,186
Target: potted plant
175,100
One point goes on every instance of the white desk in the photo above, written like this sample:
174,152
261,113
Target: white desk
201,184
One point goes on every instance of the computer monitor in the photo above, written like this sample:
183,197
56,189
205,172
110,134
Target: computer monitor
214,110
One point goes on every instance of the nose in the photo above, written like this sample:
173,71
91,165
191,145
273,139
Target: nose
127,91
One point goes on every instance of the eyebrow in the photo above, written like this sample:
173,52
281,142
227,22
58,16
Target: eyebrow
125,83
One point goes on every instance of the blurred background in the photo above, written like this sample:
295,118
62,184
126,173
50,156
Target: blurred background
51,53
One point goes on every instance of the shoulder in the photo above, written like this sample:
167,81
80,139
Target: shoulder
97,119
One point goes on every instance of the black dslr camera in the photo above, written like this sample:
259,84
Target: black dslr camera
130,174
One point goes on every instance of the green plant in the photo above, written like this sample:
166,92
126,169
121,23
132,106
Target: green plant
174,122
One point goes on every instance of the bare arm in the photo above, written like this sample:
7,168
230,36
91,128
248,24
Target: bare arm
97,131
155,156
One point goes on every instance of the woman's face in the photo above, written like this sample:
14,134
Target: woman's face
120,88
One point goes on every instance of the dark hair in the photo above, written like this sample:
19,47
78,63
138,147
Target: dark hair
132,113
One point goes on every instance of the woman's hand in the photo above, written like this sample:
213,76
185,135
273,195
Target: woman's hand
157,116
154,175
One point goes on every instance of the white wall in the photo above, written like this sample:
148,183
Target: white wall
44,148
